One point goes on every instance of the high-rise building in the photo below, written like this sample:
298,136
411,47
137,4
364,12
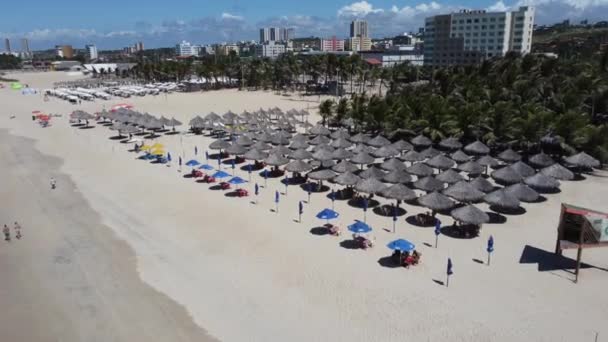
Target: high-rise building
185,49
65,51
139,46
332,45
25,46
270,50
264,35
91,51
290,34
468,37
358,28
276,34
7,45
359,44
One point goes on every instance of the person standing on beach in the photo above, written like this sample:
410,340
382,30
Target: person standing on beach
53,183
7,233
17,230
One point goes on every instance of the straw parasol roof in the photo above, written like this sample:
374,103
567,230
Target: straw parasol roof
370,186
319,129
450,143
219,145
506,175
436,201
540,181
360,138
264,136
373,172
236,149
299,144
173,122
450,176
341,143
347,179
344,166
262,146
584,160
385,152
471,167
340,134
397,176
300,154
477,147
399,192
429,184
320,140
298,166
322,154
523,169
470,214
322,147
412,156
460,157
300,137
362,158
464,192
440,162
487,161
255,154
402,145
379,141
420,170
280,150
322,175
509,156
361,148
482,184
502,198
392,164
429,152
523,192
557,171
341,154
244,140
276,160
279,140
421,141
541,160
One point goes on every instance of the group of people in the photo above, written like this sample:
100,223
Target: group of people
406,259
7,232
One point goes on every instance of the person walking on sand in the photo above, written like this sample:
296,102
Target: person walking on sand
7,233
53,183
17,230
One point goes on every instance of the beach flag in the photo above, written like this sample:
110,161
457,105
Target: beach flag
249,167
437,231
195,150
286,181
300,211
180,162
394,218
490,248
265,177
233,164
449,272
365,204
168,156
332,196
276,201
308,189
257,192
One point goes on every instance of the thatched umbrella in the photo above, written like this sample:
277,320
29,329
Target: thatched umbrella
450,143
509,156
428,184
264,136
324,164
279,140
523,192
477,147
470,214
236,150
322,147
488,161
440,162
402,145
320,140
436,201
450,176
280,150
219,145
412,156
299,144
298,166
319,129
340,134
322,175
255,154
421,141
341,154
460,157
361,148
420,170
300,155
360,138
373,172
397,176
523,169
173,122
283,135
385,152
347,179
322,155
506,175
542,182
362,158
341,143
541,160
197,122
370,186
244,140
502,199
582,159
345,166
399,192
557,171
471,167
392,164
429,152
300,137
464,192
262,146
482,184
276,160
379,141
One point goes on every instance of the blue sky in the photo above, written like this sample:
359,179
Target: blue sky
116,23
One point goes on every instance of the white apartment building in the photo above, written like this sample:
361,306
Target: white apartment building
269,50
359,28
467,37
276,34
91,51
185,49
359,44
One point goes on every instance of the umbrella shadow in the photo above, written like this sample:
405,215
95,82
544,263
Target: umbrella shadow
464,232
314,188
188,175
216,187
77,125
540,199
139,134
105,124
508,211
479,261
270,175
386,210
412,220
117,137
201,181
549,261
350,244
215,156
229,161
293,181
496,218
87,127
341,195
172,133
438,282
548,191
413,202
388,262
253,167
578,177
319,231
232,194
358,203
152,136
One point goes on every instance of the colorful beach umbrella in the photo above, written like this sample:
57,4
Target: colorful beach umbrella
359,227
220,174
206,167
401,245
192,163
237,181
327,214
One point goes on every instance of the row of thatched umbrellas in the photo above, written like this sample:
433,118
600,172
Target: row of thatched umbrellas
129,121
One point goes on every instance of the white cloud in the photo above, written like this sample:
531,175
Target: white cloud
228,16
358,9
498,7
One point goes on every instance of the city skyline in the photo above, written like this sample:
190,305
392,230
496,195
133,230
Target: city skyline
236,21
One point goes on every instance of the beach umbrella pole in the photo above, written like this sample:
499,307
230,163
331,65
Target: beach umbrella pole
489,258
436,240
447,281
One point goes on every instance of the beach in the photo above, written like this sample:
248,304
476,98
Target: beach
125,250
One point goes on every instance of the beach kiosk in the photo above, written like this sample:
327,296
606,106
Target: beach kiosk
581,228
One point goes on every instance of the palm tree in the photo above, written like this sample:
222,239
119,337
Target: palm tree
326,110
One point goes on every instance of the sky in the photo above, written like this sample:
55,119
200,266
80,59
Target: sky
112,24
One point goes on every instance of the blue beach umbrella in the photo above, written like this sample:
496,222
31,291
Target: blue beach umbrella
359,227
401,245
237,181
220,174
192,163
206,167
327,214
490,248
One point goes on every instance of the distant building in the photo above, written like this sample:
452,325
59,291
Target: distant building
358,28
139,46
64,65
390,58
226,49
25,46
269,50
290,34
7,45
306,44
65,51
332,44
91,51
359,44
185,49
467,37
276,34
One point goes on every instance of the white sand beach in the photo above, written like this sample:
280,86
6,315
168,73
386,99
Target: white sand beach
126,250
